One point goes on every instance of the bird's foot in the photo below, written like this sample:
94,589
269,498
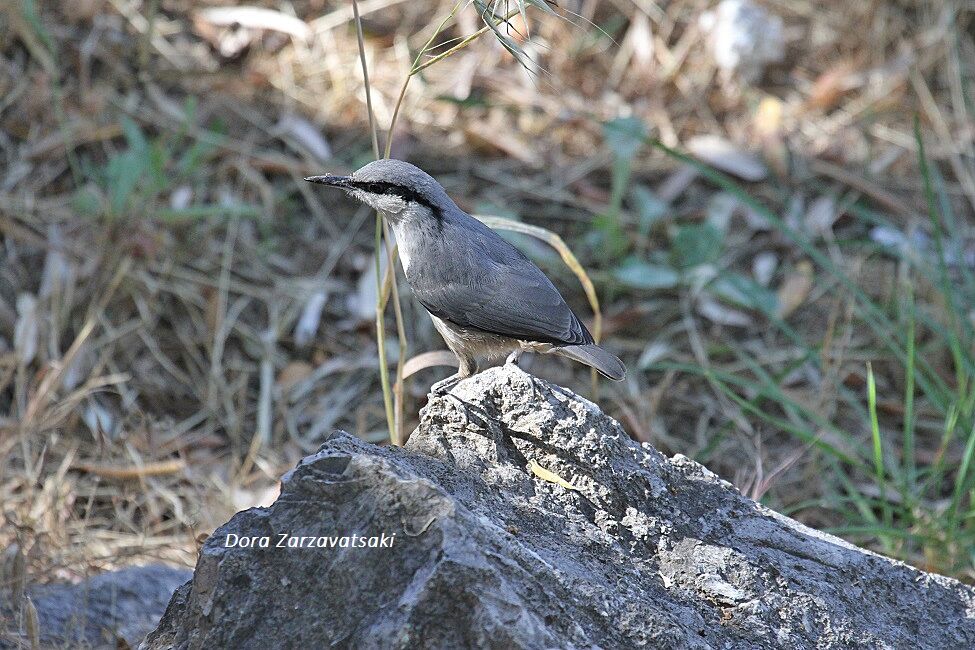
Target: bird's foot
443,386
513,360
514,357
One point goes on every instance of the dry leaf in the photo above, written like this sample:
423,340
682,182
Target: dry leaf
768,118
256,18
311,316
763,267
181,197
305,135
26,329
362,303
795,288
293,373
831,85
821,215
726,156
547,475
721,314
431,359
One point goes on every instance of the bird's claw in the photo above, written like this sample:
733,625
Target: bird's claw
443,386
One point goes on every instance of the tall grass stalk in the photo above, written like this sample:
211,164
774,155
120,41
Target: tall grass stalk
380,330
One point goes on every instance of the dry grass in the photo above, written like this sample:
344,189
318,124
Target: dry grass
181,319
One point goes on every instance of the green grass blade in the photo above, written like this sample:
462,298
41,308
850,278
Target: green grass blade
880,474
909,485
879,323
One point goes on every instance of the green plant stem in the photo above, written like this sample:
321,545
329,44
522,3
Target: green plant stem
910,462
380,329
954,335
878,453
399,434
398,420
464,43
394,406
413,71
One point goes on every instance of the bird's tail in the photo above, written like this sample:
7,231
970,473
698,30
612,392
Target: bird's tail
595,357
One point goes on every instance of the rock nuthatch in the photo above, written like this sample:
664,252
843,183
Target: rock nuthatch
485,297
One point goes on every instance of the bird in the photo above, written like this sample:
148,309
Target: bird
486,298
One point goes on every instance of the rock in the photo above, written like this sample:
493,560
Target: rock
643,551
110,610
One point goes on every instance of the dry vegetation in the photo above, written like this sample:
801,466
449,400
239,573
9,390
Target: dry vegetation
181,318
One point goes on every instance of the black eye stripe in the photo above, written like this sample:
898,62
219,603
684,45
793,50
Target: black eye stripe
395,189
384,187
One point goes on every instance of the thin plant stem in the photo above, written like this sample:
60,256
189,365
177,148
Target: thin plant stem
380,330
394,413
878,455
413,71
365,79
910,463
399,433
464,43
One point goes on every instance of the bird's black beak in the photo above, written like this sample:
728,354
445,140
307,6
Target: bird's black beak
331,179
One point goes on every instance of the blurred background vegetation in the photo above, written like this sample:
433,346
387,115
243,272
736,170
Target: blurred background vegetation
774,200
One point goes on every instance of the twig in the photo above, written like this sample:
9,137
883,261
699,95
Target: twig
159,468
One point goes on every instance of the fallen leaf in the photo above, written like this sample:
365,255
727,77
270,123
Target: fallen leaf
831,85
763,267
293,373
718,313
821,215
726,156
653,353
255,18
26,330
181,197
305,135
311,316
795,288
432,359
768,118
638,274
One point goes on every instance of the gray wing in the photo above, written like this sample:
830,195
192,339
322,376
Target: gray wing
486,283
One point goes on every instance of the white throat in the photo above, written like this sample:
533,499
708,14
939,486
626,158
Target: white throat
417,217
